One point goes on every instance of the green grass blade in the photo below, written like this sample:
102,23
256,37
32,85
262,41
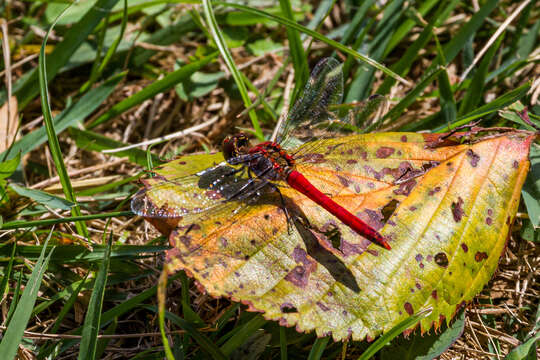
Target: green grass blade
110,52
406,26
531,188
169,81
356,21
522,351
14,333
15,299
54,145
43,197
468,30
20,224
283,343
92,141
204,342
93,314
68,305
226,54
404,64
109,316
65,309
397,110
392,333
242,334
497,104
4,285
318,347
476,87
99,49
446,96
102,343
81,109
162,299
26,88
301,71
315,35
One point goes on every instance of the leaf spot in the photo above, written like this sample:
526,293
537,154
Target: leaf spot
464,247
288,308
441,259
408,308
384,151
489,221
457,209
473,158
322,306
480,255
419,257
343,180
434,294
404,138
223,242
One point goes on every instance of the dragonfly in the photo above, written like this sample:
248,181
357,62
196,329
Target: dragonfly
251,171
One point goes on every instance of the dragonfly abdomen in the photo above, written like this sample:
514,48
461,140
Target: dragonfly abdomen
298,182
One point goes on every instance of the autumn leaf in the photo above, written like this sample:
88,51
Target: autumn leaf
445,207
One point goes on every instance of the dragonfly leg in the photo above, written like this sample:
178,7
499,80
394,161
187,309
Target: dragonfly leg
283,207
251,180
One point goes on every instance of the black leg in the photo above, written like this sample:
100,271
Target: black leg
284,208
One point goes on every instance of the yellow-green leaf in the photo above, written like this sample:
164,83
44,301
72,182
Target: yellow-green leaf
445,208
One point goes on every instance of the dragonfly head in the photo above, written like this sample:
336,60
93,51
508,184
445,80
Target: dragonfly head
235,145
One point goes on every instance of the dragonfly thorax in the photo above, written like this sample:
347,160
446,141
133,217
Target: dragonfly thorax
271,161
265,160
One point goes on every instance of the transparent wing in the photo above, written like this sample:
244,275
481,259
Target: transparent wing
323,90
359,114
319,113
216,191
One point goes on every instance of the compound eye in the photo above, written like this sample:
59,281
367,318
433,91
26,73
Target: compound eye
229,148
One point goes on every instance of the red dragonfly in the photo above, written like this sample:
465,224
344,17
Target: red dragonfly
269,165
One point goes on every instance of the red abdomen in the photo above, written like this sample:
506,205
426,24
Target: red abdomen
298,182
